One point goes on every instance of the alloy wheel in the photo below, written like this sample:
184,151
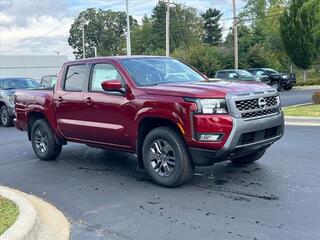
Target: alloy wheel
41,140
162,158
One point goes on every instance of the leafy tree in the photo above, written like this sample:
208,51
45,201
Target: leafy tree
212,29
297,35
103,30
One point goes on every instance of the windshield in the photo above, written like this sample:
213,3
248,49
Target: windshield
270,71
18,83
244,73
153,71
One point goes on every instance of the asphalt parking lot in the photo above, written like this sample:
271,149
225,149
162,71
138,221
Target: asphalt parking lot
106,197
297,96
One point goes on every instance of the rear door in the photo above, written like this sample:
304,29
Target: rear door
69,102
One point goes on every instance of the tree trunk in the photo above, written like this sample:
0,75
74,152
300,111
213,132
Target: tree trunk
304,75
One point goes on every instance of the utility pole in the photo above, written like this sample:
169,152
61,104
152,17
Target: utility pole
235,35
95,51
128,30
83,43
167,30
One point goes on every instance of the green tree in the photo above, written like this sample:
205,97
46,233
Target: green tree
212,30
103,30
296,29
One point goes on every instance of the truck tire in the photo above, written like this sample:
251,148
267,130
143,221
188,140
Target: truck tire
166,157
249,158
287,88
5,118
276,85
43,141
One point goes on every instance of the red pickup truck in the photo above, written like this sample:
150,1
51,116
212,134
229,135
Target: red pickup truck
159,108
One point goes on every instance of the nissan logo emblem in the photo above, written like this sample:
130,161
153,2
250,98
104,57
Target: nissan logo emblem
262,103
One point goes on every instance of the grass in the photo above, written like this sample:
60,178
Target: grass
312,110
8,214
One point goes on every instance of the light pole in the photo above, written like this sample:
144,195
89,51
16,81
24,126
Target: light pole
167,30
83,43
235,35
128,30
95,51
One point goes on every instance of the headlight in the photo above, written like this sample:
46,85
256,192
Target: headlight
285,77
10,99
212,106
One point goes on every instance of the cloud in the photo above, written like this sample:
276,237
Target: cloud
42,26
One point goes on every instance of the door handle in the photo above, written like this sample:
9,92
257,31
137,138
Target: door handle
60,99
89,100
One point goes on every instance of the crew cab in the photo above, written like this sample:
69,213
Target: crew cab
278,80
240,75
160,109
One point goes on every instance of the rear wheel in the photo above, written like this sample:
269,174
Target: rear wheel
5,118
249,158
276,85
166,157
43,141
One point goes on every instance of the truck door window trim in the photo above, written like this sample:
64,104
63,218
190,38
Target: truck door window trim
88,85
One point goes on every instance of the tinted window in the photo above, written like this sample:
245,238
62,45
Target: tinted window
18,83
232,75
153,71
75,78
221,75
260,72
244,73
101,73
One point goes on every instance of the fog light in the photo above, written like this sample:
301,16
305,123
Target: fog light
209,137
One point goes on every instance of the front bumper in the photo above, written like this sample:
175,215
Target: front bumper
247,136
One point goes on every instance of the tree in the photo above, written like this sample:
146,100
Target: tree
212,30
296,27
103,30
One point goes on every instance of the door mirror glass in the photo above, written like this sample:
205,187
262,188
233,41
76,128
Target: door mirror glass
112,85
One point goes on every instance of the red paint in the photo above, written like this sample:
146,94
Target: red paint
109,120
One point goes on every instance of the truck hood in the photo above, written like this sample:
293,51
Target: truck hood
214,89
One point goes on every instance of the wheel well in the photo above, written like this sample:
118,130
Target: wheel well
2,104
34,116
145,126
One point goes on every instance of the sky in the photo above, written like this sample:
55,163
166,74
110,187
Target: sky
41,27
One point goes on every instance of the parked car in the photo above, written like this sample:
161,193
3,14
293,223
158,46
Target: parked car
8,86
277,80
156,107
239,75
48,81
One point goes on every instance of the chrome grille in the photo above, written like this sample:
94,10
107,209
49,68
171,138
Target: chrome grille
252,108
252,104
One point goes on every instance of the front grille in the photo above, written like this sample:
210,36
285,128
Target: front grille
260,113
252,137
250,108
252,104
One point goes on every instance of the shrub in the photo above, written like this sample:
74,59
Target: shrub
316,97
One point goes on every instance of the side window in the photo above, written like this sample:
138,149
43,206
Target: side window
260,72
221,75
101,73
232,75
75,78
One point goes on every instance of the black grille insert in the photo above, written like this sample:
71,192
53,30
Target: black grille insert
252,104
260,113
252,137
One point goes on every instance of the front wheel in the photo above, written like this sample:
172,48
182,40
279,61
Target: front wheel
43,141
5,118
166,157
276,85
249,158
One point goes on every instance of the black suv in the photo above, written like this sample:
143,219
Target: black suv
277,80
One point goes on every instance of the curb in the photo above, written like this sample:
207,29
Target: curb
298,105
27,223
306,87
38,220
302,121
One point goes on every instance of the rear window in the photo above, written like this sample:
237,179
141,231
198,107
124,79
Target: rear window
75,78
221,75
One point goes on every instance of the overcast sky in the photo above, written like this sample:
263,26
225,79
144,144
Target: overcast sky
42,26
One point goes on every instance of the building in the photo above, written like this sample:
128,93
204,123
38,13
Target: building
33,66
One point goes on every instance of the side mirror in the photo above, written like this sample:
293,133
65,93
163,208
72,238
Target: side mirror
112,85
